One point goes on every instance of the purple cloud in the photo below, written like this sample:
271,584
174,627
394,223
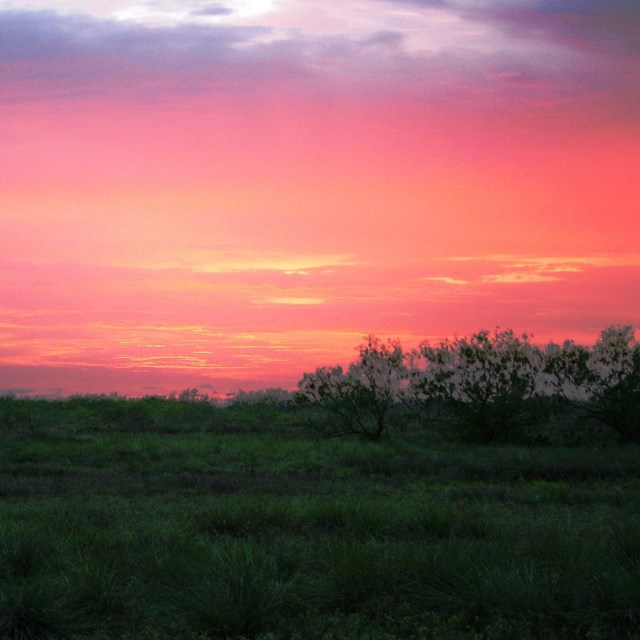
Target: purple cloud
596,26
385,38
46,54
46,35
426,3
602,26
212,10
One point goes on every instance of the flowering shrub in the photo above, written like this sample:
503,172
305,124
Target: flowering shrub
488,381
603,380
362,396
330,389
484,379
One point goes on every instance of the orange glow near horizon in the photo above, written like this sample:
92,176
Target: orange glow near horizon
227,226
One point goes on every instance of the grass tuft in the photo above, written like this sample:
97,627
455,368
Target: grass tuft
31,610
23,553
236,589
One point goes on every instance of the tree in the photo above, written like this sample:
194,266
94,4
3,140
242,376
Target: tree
604,381
485,380
362,396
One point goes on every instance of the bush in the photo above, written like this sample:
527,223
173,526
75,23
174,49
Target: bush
362,397
603,381
485,381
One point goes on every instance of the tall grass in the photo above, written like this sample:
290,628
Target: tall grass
233,589
163,528
33,609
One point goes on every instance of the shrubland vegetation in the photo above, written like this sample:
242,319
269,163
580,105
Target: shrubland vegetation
491,386
362,397
490,493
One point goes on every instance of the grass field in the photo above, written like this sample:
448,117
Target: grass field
245,524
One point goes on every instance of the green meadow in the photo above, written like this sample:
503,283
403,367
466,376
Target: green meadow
159,519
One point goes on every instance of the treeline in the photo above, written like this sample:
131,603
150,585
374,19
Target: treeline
488,386
187,412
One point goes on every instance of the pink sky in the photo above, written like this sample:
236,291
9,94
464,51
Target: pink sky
225,195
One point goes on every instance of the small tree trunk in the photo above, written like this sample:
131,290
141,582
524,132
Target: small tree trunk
380,426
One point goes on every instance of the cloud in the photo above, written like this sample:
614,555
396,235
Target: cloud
604,26
517,277
386,37
45,54
47,35
181,329
426,3
510,69
527,269
601,27
242,261
290,300
212,10
447,280
554,263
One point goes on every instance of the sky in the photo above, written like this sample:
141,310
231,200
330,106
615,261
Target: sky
225,195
